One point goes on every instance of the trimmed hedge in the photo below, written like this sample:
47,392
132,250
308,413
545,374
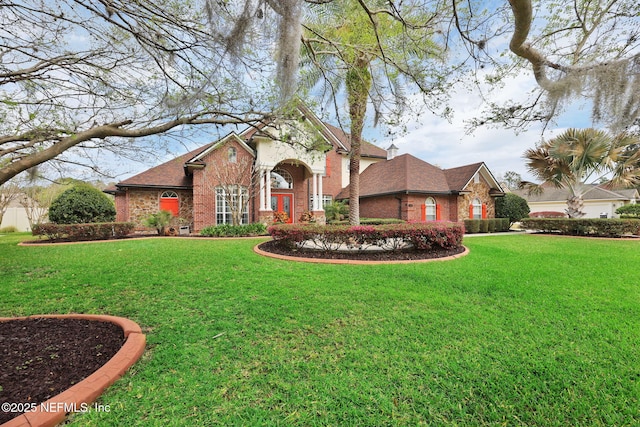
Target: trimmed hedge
228,230
490,225
547,214
597,227
83,232
391,237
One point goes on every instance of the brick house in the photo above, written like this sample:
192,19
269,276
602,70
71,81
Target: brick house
298,165
411,189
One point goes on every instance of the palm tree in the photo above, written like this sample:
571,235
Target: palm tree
580,155
369,51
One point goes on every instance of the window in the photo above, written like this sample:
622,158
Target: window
326,200
430,208
281,179
229,204
232,155
477,210
169,201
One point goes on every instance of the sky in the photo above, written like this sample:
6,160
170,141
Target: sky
446,144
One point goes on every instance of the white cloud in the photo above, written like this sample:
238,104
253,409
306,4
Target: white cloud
446,144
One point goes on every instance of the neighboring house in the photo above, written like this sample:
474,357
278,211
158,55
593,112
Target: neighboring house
598,201
299,165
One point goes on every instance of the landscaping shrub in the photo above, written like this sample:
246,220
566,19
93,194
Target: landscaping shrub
629,211
597,227
9,229
336,211
80,205
307,216
83,232
159,220
228,230
547,214
504,224
512,206
489,225
472,226
391,237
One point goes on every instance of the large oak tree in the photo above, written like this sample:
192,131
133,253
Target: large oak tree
78,75
83,77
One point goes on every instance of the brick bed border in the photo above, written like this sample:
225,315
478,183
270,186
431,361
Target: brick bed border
259,251
87,390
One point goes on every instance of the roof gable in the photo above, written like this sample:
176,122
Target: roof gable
225,140
334,135
169,174
460,177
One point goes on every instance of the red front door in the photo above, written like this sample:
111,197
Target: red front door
282,203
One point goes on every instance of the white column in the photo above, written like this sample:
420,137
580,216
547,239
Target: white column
262,193
268,184
315,192
320,207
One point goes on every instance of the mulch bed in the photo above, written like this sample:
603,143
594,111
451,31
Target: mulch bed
406,255
42,357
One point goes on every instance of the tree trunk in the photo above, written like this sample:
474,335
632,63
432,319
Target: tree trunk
574,207
358,84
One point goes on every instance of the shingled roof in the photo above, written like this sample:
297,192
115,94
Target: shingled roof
172,174
408,174
459,177
167,175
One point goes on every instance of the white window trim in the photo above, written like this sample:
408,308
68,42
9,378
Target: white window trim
223,212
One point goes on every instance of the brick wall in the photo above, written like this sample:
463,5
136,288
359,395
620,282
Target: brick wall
381,207
406,206
218,170
332,182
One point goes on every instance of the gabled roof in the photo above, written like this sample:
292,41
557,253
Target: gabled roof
408,174
340,140
595,192
176,172
460,176
212,147
167,175
401,174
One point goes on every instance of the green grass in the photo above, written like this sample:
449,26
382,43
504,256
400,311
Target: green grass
525,330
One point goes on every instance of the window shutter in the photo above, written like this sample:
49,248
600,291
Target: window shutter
438,212
471,211
169,204
423,213
484,211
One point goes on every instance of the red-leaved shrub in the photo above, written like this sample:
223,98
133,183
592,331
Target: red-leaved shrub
392,237
82,232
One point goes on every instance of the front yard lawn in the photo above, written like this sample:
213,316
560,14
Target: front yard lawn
525,330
